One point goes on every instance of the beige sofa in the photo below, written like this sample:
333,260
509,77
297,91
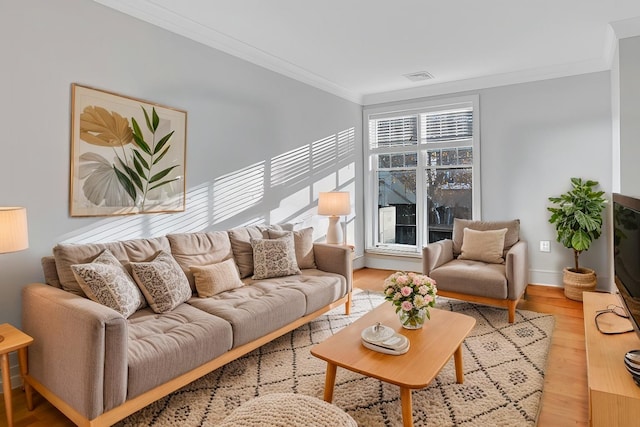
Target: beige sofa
98,366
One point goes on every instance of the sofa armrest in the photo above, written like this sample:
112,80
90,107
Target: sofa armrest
79,351
436,254
335,259
517,270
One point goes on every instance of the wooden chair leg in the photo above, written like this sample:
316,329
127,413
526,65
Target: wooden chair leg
512,311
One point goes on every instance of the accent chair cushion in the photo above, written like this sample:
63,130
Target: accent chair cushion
510,239
215,278
274,257
105,281
472,278
486,246
162,282
303,243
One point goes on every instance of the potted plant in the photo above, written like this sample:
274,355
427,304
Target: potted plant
577,216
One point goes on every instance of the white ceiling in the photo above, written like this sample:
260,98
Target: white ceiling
360,49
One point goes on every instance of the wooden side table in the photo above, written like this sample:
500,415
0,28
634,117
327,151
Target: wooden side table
13,340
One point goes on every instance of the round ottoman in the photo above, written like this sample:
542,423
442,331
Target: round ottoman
286,410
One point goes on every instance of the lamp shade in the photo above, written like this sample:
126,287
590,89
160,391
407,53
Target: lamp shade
14,235
334,203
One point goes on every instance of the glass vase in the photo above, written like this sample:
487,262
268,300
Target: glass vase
412,319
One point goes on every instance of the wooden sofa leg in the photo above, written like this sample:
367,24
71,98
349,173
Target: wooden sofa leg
512,311
347,305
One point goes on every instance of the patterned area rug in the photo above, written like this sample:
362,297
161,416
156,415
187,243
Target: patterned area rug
503,363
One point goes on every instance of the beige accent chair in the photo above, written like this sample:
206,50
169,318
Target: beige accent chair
477,266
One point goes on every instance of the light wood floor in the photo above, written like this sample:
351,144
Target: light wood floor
564,401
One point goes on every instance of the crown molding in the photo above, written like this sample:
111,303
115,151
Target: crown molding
626,27
495,80
150,12
154,14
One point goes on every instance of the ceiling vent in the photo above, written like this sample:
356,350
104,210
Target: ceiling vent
418,76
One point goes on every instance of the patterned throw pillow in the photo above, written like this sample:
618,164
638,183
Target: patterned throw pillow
106,281
162,281
215,278
274,257
303,242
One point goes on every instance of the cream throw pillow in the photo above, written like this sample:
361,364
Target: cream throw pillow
162,281
486,246
303,243
212,279
105,281
274,257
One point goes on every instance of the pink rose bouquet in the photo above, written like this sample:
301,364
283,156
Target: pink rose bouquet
412,294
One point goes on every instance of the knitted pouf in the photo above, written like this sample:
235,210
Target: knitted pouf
286,410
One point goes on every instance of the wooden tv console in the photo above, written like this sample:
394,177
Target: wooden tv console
614,398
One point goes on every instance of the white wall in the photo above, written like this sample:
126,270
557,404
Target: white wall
629,81
534,137
241,118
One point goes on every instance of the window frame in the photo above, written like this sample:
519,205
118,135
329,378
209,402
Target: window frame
371,168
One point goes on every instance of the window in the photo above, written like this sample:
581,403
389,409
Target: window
423,164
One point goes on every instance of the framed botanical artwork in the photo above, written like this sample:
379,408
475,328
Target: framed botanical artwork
127,155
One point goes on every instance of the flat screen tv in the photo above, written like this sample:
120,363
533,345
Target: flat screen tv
626,254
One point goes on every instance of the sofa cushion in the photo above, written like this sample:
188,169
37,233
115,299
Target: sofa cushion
472,278
303,242
274,257
215,278
67,254
320,288
162,282
163,346
198,249
254,311
486,246
240,238
105,281
510,239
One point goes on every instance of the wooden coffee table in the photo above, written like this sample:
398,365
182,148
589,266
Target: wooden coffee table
431,349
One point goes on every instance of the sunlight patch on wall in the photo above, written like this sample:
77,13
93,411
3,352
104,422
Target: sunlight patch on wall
346,143
238,191
195,218
238,198
253,221
324,152
290,167
110,229
290,207
347,174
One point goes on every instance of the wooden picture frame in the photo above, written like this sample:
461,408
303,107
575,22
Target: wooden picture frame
127,155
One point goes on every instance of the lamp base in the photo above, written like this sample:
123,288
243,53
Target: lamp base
334,232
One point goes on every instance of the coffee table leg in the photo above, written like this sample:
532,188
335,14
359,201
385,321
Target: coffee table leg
330,382
407,407
459,365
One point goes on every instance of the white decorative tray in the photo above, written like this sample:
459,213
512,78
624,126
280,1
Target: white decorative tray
383,339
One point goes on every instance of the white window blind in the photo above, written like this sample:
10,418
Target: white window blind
393,132
447,125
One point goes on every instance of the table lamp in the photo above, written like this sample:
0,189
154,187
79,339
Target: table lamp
333,204
13,231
